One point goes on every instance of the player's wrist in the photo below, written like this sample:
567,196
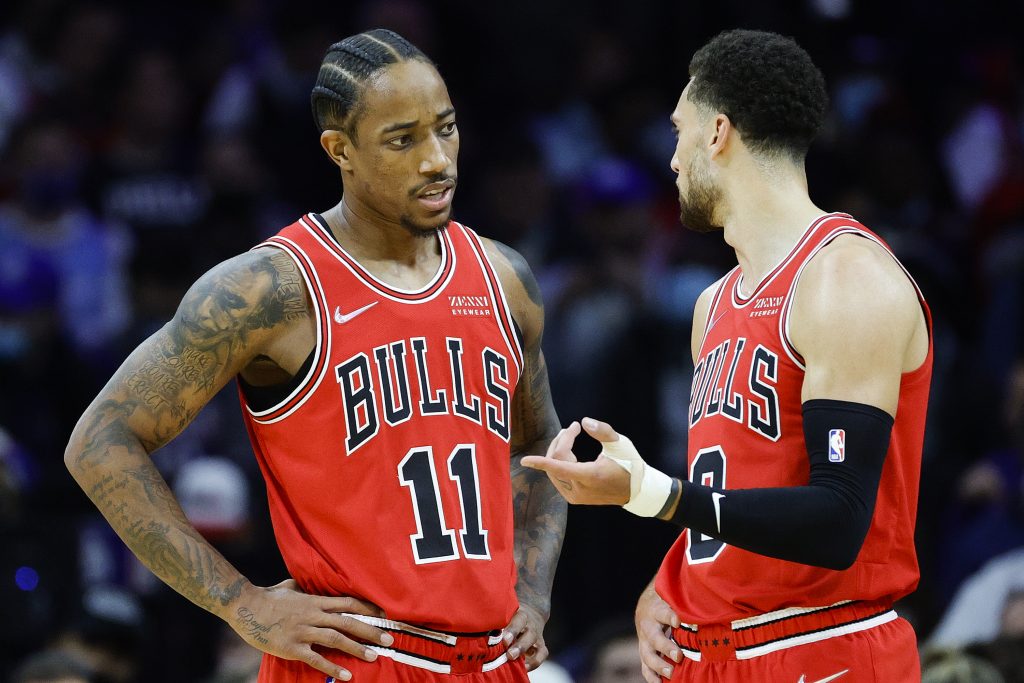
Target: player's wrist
650,489
669,509
248,595
653,494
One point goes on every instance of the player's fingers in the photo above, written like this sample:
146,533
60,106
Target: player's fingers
649,675
351,605
602,431
526,639
322,664
554,443
536,655
334,640
348,625
655,638
559,468
664,614
560,447
515,627
650,659
566,441
534,462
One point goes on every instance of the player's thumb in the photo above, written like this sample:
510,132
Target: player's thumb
602,431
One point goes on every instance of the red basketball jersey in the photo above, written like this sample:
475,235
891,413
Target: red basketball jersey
746,431
388,468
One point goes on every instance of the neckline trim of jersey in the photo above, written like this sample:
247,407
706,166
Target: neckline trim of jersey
428,290
740,301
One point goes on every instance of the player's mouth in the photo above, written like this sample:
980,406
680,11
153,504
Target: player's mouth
436,196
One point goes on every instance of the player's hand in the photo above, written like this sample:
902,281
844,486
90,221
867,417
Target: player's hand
654,618
601,482
284,621
524,636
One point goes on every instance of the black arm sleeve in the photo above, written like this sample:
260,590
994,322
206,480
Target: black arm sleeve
823,523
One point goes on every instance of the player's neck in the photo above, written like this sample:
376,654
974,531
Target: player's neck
372,240
764,219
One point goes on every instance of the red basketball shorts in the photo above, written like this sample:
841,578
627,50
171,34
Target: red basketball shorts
855,642
418,655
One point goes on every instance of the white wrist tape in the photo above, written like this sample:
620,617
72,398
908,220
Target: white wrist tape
649,488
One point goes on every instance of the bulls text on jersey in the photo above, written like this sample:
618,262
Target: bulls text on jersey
377,388
753,400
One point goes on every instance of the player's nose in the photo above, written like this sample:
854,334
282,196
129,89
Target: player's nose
435,159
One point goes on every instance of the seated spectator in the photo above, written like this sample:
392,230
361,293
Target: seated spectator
976,612
955,666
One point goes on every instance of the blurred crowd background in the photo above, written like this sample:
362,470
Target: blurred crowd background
142,143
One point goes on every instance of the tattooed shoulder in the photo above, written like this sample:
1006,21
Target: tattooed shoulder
520,288
258,290
522,271
223,322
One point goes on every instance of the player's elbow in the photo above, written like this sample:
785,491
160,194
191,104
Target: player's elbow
73,455
838,562
841,552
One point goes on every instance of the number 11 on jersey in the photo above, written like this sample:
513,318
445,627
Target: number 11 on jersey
433,540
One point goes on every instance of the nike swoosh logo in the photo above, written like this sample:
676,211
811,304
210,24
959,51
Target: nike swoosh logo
343,318
803,679
716,500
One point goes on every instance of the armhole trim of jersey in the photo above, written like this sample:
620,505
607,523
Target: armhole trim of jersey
715,302
787,344
816,225
322,351
506,323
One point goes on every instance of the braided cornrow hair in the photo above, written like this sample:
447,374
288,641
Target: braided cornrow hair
345,69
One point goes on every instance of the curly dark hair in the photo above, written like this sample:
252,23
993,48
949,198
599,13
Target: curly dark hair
766,84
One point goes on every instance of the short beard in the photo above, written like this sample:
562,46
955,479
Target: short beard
697,208
418,230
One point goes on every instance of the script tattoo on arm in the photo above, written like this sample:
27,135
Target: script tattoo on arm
538,509
218,328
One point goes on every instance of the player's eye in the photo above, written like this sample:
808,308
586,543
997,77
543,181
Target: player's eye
448,129
400,142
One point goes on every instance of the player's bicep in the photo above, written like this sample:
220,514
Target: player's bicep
534,419
222,323
533,413
852,319
701,309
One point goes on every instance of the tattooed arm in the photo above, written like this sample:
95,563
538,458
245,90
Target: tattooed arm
242,315
538,509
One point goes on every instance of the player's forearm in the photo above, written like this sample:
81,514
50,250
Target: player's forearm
114,469
814,525
539,513
823,523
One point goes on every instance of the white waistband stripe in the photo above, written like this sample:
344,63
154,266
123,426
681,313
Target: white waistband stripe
412,659
781,614
825,634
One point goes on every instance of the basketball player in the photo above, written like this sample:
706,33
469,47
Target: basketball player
391,378
806,419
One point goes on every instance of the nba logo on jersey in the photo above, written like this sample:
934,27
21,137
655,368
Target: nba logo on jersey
836,445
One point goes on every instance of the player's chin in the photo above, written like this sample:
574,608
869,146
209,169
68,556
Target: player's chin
426,225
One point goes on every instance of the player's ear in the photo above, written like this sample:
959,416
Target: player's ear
338,146
721,135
